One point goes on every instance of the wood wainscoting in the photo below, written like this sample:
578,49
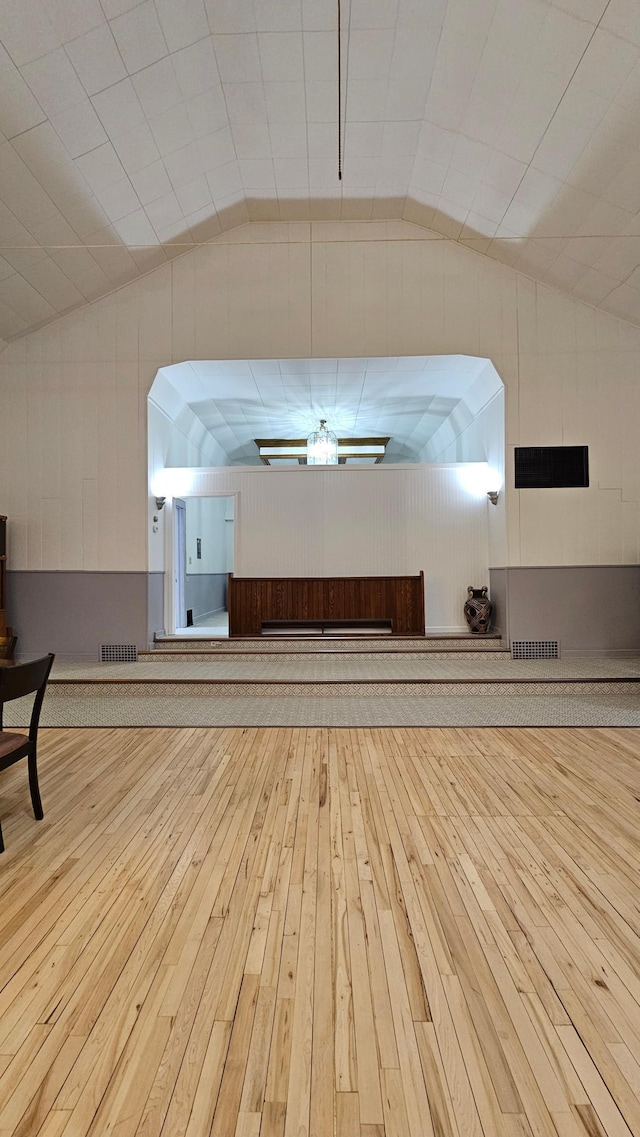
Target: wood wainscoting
253,601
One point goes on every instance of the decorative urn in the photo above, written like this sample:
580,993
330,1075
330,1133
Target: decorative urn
477,610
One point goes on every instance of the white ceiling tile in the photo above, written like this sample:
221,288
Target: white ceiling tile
288,140
322,139
85,216
322,101
291,172
136,149
281,55
607,63
172,129
257,174
27,39
79,129
320,61
490,203
459,188
151,183
157,87
238,58
428,175
18,294
374,13
100,167
119,109
72,18
400,139
285,16
252,142
113,8
319,15
561,43
50,281
196,69
227,16
216,149
139,37
19,109
538,190
436,144
360,172
186,164
587,9
136,229
96,59
207,112
561,147
20,190
624,188
245,103
622,17
367,100
225,181
516,25
370,54
118,200
54,82
504,173
587,250
406,98
82,270
285,101
194,195
608,219
363,139
165,211
594,286
183,22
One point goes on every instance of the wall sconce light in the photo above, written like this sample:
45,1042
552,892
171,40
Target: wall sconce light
493,496
160,503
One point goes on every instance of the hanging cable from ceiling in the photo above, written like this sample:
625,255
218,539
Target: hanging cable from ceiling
339,91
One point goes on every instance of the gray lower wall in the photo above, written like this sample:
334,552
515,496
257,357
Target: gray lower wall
73,613
588,608
205,592
498,597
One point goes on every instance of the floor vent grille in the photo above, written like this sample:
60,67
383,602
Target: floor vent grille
535,649
118,653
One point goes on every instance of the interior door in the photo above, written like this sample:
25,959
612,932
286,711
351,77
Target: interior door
179,561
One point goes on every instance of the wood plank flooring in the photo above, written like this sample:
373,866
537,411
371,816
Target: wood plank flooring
282,933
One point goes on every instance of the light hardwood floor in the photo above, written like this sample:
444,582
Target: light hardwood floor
275,933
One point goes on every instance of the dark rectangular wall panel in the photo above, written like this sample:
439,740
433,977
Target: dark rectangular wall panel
551,467
253,600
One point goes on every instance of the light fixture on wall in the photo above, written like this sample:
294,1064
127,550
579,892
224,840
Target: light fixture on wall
493,496
160,503
322,447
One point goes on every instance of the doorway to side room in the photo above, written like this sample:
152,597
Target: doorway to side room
204,555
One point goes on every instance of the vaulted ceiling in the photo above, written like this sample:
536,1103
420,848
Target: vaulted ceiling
410,398
131,129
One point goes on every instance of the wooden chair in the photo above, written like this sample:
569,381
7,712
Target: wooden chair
16,681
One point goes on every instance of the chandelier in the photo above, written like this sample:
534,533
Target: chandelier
322,447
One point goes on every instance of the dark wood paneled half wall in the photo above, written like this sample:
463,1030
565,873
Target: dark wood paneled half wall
253,601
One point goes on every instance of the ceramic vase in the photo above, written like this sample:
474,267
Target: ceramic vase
477,610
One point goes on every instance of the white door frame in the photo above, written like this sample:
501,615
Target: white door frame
171,558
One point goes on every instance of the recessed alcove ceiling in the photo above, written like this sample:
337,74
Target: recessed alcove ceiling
131,130
408,398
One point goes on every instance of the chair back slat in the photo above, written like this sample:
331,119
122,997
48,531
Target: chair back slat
24,678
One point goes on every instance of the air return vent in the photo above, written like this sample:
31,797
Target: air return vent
535,649
551,467
118,653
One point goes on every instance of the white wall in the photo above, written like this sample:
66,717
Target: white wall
372,521
73,396
206,518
